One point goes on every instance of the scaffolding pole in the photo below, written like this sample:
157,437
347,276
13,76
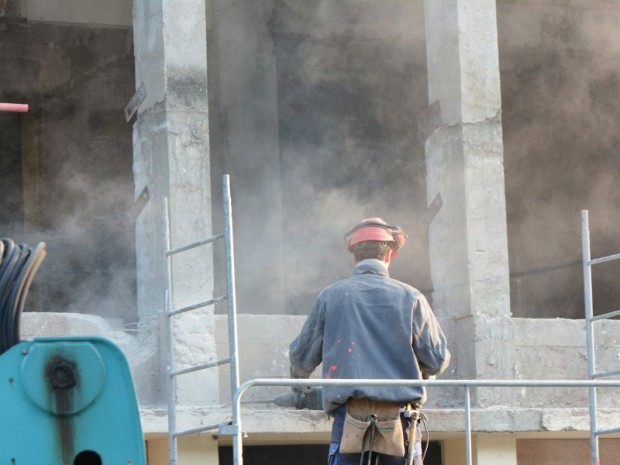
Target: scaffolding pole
588,263
230,297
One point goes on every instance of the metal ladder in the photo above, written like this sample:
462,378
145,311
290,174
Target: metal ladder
590,319
172,373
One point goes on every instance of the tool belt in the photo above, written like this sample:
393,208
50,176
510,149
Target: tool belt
372,425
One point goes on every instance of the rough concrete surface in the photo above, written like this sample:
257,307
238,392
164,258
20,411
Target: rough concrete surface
263,345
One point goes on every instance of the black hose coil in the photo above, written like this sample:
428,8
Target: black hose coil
18,265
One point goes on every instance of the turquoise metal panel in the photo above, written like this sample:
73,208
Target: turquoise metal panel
68,401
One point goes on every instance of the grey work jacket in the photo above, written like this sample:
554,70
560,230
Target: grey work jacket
370,326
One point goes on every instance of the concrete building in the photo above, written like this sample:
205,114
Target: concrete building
481,127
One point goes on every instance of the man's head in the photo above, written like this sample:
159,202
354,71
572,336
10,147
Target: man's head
374,238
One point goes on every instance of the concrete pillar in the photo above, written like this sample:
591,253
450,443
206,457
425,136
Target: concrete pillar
465,184
171,159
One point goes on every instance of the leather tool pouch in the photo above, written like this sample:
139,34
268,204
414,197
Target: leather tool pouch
389,438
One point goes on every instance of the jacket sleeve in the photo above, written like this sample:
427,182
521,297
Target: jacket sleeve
306,351
429,342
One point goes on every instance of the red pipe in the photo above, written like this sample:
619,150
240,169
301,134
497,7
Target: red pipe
14,107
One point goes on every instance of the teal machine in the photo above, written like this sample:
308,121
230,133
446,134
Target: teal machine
63,401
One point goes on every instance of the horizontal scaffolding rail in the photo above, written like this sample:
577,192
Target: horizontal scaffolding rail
194,245
608,258
605,316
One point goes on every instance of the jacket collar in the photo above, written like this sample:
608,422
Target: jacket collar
371,266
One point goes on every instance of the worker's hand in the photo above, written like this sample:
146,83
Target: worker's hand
293,373
299,389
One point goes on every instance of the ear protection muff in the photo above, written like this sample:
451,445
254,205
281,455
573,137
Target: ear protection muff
400,236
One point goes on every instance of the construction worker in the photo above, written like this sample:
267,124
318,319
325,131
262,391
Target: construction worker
371,326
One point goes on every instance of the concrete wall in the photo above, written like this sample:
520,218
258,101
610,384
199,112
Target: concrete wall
543,349
350,95
113,12
263,353
314,115
560,94
72,152
328,113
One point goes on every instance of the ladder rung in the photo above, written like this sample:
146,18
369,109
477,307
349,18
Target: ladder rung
601,432
606,315
206,303
606,373
608,258
195,244
199,367
197,430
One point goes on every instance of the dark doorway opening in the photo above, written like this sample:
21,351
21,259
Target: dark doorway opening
314,454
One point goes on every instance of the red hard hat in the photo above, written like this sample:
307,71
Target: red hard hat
376,229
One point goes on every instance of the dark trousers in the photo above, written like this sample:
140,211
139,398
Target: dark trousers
337,458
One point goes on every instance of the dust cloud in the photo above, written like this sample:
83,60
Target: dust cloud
350,80
561,94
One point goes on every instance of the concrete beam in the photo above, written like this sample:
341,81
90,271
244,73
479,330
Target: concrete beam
274,425
543,349
533,413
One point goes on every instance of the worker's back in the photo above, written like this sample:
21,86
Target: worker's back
370,326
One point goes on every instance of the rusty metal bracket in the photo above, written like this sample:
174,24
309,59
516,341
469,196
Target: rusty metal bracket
428,120
140,203
135,102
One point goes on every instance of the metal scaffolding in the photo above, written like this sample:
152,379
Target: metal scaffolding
230,297
467,385
588,263
235,428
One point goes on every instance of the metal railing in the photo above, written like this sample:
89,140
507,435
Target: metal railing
236,429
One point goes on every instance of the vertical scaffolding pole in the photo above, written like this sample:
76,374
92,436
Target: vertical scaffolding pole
468,445
170,379
170,312
589,314
231,287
